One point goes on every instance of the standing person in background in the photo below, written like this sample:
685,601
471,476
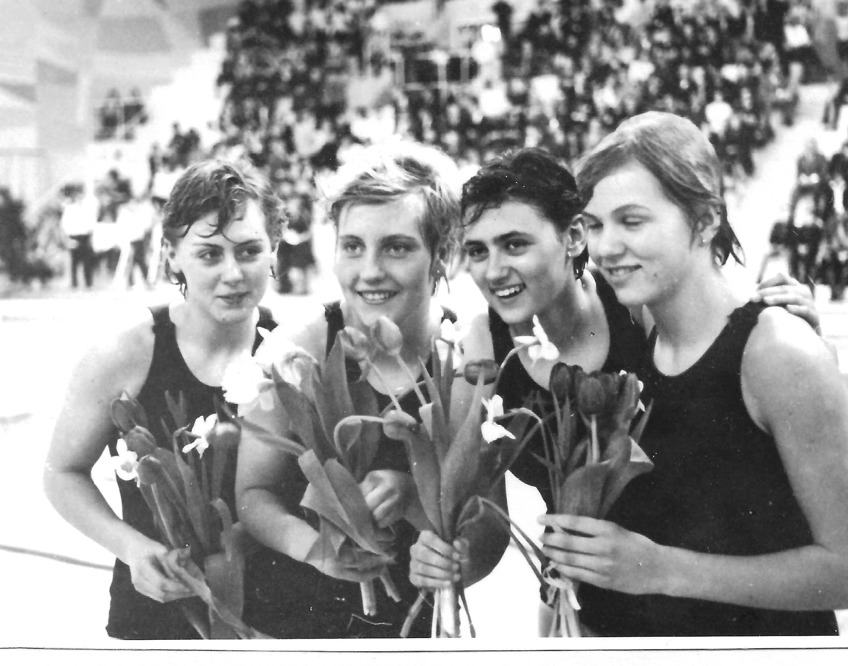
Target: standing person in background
739,528
79,215
221,227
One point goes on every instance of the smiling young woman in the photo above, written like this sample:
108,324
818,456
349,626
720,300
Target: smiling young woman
221,226
739,529
395,213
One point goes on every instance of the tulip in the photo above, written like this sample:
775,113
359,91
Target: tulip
140,441
562,381
485,367
395,422
355,343
387,336
591,394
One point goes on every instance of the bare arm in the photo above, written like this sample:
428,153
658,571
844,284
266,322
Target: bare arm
82,432
793,390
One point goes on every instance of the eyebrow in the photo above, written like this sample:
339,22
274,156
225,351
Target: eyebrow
618,210
499,240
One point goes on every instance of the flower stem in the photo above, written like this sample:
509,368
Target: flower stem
385,386
596,449
369,597
412,378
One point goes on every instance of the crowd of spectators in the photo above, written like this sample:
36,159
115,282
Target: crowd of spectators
561,78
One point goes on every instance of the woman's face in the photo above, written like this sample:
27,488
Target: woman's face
517,258
226,275
639,239
382,261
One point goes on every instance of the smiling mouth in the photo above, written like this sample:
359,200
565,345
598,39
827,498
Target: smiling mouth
376,297
508,292
619,271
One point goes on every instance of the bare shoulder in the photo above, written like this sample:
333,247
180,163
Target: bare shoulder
120,358
786,366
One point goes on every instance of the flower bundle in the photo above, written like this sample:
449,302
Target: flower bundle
333,447
587,472
455,461
182,485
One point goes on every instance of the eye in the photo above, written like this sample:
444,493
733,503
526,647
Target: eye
351,248
516,246
631,221
209,254
250,252
476,252
398,249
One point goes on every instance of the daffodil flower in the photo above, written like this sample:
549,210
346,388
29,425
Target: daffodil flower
126,462
202,428
244,381
490,430
538,344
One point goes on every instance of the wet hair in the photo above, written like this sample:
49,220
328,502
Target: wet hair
216,186
681,158
387,173
531,176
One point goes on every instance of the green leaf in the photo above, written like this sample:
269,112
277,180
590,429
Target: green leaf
334,494
583,491
637,464
196,503
425,469
446,387
177,409
225,571
440,431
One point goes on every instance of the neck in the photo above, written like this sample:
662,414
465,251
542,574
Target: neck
216,336
565,320
697,309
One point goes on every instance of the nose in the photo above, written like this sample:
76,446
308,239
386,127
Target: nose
233,271
496,270
371,269
605,243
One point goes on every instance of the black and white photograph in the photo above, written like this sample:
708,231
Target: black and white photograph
358,330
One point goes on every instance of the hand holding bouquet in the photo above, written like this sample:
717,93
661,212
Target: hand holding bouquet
182,486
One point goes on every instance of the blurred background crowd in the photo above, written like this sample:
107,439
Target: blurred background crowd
299,86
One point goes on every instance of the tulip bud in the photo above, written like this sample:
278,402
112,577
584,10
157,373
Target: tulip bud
387,336
355,343
395,424
127,413
485,367
591,395
562,381
149,471
226,434
140,441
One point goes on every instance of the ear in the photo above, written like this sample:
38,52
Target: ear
707,226
574,238
171,254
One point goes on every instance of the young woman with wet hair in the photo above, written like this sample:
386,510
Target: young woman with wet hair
221,226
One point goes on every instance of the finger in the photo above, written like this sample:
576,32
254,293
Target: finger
811,316
798,293
562,541
776,280
582,524
385,514
419,580
428,557
582,575
435,573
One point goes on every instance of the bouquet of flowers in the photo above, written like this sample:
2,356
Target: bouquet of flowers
455,462
182,486
589,472
334,448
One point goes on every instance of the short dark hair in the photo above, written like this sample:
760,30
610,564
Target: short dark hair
216,186
531,176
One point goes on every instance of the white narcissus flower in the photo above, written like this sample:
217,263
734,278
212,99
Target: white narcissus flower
202,428
244,381
490,430
126,462
539,345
